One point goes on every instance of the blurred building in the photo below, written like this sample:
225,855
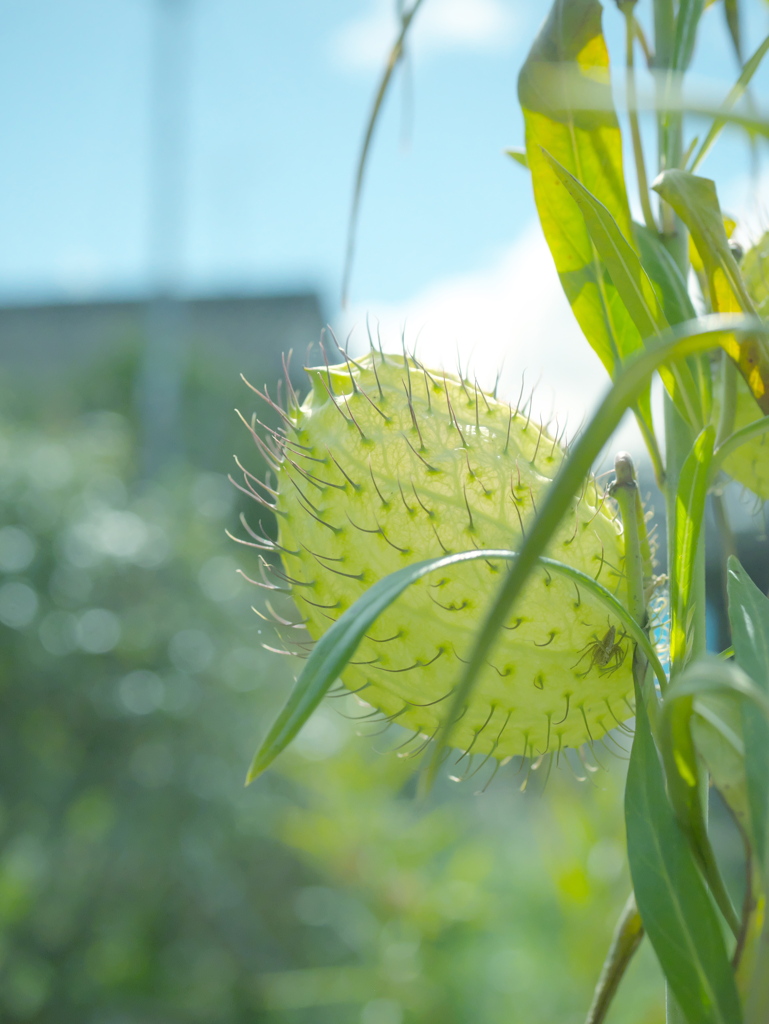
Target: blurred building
48,340
172,366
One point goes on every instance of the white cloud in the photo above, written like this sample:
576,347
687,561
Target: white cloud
441,26
511,316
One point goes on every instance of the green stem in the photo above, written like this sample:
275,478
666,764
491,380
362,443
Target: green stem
676,448
396,55
626,939
728,399
698,609
637,567
669,121
643,42
647,432
632,104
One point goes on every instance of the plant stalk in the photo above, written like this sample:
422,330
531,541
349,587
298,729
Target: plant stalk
627,937
632,105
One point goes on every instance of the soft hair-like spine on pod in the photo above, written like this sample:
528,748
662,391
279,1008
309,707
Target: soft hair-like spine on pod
386,463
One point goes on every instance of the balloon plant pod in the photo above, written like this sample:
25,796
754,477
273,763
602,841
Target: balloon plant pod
387,463
460,570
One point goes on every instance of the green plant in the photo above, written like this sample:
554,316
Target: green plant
704,720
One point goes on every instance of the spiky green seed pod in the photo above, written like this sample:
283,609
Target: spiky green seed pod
387,463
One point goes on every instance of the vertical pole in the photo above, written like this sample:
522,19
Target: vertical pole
160,377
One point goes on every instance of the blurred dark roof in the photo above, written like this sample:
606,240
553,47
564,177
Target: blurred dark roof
243,330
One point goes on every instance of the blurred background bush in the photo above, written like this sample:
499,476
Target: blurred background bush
139,880
140,883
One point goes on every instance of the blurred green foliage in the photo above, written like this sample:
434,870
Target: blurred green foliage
140,882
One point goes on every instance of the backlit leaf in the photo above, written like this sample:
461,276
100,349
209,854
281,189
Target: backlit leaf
749,619
632,282
695,201
588,145
675,908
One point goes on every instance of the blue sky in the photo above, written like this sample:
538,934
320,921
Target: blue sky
278,96
277,100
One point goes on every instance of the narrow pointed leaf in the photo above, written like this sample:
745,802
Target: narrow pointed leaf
689,14
335,648
690,511
672,291
732,15
332,652
725,699
618,255
675,908
665,275
679,755
588,145
519,155
695,201
717,732
737,90
632,283
627,937
749,619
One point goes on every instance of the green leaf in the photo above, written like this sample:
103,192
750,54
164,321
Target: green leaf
749,619
589,97
589,146
519,155
626,939
690,512
664,33
732,15
332,652
685,789
618,255
735,92
725,699
717,731
687,339
674,905
670,286
695,201
689,14
665,275
335,648
632,282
